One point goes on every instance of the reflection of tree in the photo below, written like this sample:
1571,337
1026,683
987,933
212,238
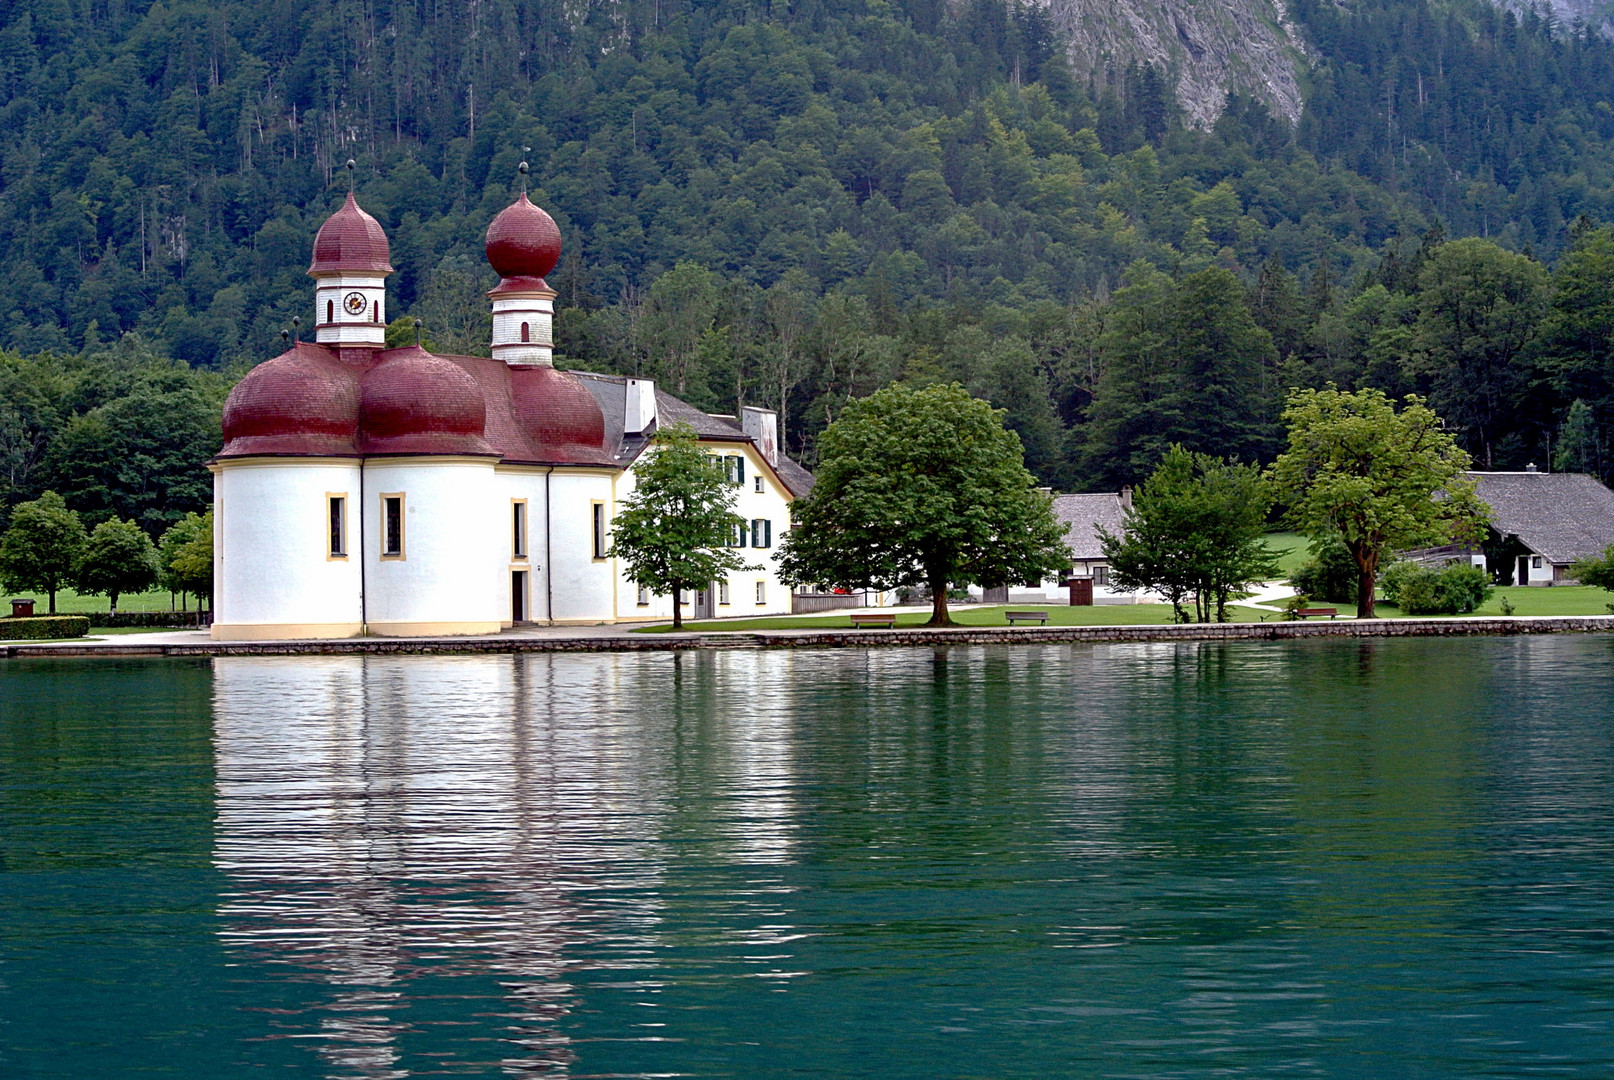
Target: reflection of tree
386,821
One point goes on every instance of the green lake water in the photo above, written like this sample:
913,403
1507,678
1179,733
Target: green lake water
1331,858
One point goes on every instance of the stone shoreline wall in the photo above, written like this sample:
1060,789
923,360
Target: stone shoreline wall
855,639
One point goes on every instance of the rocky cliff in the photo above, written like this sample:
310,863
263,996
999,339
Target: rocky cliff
1205,47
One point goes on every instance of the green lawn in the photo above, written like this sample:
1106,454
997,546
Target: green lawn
973,615
69,602
1291,550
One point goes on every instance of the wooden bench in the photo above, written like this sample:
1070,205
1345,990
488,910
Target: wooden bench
1301,613
1026,616
874,618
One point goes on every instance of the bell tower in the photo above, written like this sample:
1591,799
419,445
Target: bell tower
350,268
523,245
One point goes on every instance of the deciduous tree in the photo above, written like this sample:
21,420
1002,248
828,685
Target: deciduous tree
1194,530
41,548
922,487
676,529
118,558
1380,479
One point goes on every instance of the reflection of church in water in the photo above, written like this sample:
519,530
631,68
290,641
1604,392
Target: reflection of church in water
494,828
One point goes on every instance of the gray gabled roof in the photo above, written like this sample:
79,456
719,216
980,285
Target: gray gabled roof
611,392
1084,515
1560,516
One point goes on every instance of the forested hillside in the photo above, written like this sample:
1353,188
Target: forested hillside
792,205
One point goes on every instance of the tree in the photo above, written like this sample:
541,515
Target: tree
41,548
922,487
1379,479
118,558
675,529
1194,528
1595,570
185,555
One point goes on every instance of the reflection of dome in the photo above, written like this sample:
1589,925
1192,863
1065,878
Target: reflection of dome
417,403
301,402
555,411
353,241
523,241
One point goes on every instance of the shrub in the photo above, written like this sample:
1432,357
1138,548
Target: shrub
155,619
1330,574
1456,589
39,627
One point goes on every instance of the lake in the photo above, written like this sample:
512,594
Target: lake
1336,858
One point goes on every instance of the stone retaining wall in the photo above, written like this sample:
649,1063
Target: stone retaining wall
831,639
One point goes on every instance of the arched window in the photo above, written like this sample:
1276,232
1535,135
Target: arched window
375,311
330,311
523,331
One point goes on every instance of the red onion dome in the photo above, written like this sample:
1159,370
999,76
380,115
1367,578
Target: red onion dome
523,241
416,403
303,402
352,241
556,412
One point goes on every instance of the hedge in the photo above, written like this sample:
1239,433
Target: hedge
39,627
159,619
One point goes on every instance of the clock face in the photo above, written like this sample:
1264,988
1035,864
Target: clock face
354,303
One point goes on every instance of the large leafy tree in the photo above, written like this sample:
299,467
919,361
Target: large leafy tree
1195,530
1378,479
41,548
675,530
185,554
922,487
1479,308
118,558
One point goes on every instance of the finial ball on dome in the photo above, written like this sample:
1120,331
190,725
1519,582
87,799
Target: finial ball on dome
523,241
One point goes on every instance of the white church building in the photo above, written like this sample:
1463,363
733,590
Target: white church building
363,489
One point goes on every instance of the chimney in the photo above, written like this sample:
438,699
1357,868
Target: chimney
1531,467
641,408
763,427
1126,497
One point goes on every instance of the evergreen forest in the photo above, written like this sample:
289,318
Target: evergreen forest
795,204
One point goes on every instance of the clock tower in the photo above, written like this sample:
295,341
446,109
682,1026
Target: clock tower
350,268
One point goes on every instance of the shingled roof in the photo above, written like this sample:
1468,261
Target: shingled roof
1560,516
1084,515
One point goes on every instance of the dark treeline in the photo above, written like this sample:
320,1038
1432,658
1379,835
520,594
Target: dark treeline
791,206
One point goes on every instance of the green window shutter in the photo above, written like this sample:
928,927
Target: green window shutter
739,472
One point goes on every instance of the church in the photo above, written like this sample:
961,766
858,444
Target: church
363,489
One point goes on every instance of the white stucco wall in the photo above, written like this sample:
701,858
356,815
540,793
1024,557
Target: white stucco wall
273,573
581,587
451,578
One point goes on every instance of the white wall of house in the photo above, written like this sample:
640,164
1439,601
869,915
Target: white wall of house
582,583
740,597
274,573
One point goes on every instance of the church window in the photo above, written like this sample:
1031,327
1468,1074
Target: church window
599,530
525,332
336,508
392,526
761,533
330,311
518,528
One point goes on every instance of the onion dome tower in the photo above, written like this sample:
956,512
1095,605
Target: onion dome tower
523,245
350,271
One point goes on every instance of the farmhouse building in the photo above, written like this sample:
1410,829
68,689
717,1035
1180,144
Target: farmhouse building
396,491
1542,522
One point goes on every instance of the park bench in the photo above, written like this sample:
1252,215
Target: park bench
874,618
1026,616
1302,613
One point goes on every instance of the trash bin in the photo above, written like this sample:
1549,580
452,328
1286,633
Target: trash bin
22,609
